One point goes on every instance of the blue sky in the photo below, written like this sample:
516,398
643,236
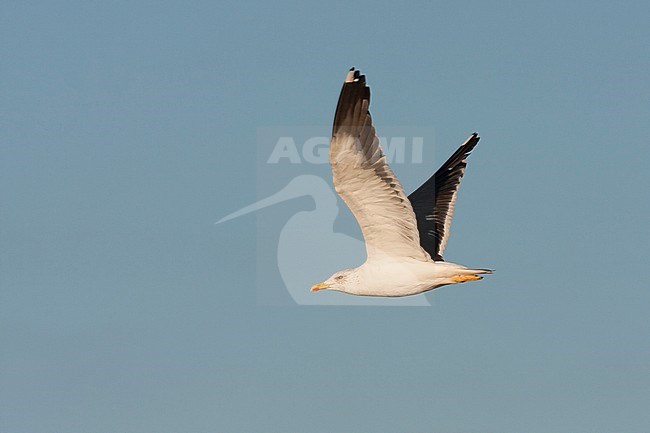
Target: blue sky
128,128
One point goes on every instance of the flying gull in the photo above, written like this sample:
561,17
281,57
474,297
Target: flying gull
404,236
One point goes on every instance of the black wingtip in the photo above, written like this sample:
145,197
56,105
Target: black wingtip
468,145
355,76
354,91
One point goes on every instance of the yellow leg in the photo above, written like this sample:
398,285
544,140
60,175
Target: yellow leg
465,278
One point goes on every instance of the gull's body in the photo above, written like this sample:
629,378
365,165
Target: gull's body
404,236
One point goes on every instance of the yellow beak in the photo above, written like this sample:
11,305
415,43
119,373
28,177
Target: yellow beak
319,286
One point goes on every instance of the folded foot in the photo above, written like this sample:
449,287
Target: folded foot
465,278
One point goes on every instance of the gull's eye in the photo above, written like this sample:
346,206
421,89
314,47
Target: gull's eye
340,277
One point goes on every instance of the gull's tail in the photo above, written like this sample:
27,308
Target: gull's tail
484,271
477,271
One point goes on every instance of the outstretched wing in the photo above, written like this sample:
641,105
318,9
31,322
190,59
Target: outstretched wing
433,202
364,180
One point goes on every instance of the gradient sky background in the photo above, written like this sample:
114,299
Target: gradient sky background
128,128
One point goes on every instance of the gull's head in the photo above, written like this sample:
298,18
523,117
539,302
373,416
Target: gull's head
341,281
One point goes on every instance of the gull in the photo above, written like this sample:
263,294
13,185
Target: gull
404,236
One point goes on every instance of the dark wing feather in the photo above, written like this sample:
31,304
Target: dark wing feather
433,202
